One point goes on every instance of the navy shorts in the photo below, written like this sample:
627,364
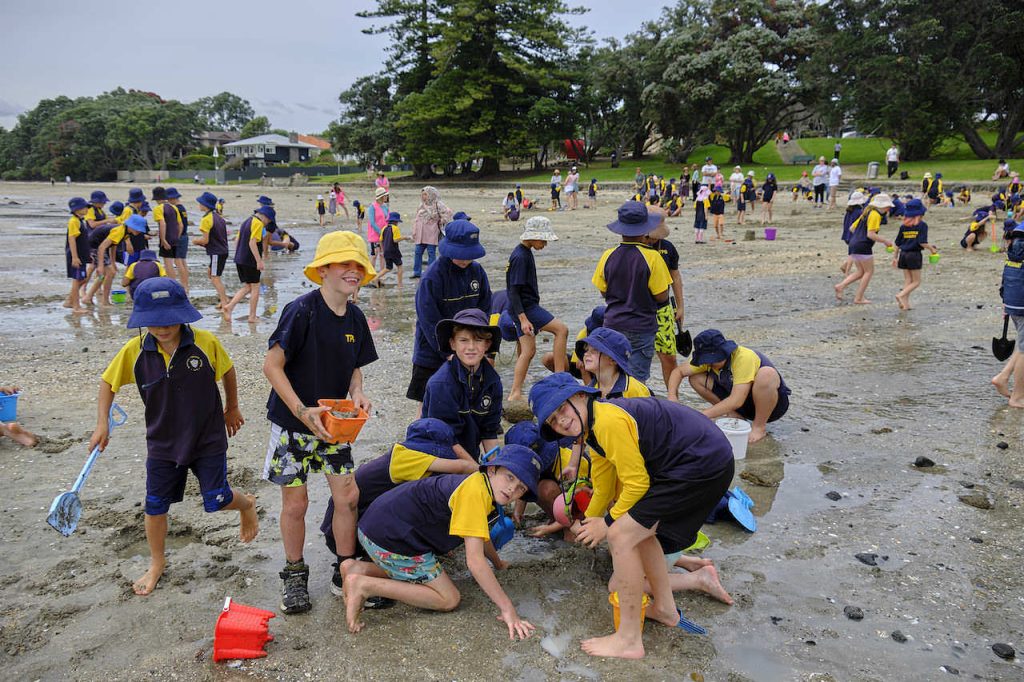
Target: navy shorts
909,260
538,317
181,248
94,257
73,272
418,383
165,483
390,263
248,274
747,409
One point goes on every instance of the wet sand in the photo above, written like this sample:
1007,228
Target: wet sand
873,388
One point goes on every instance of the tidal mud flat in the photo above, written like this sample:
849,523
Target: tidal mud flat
937,584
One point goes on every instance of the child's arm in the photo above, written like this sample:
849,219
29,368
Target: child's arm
255,249
463,454
441,465
273,369
491,554
162,231
677,289
733,402
476,560
202,240
676,378
233,419
101,435
488,444
355,391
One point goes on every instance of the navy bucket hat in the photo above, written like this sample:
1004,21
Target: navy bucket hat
136,195
431,436
116,208
207,200
147,254
161,302
264,200
527,434
914,208
595,319
172,193
461,241
461,215
607,342
524,463
268,212
470,317
711,346
394,217
98,197
634,220
77,204
548,394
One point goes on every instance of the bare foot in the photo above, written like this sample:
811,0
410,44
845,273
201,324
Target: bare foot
613,646
13,431
862,301
845,267
710,584
225,312
250,319
900,302
249,521
79,311
692,563
1016,403
1002,385
145,585
87,302
66,304
354,599
756,433
839,292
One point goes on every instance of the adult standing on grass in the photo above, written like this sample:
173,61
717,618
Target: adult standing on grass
735,181
835,174
431,217
836,149
639,179
819,178
708,172
892,159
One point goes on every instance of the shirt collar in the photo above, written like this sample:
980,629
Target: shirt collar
188,338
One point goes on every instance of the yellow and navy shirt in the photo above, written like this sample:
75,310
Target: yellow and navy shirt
95,214
216,229
869,221
634,440
625,386
630,276
743,363
78,232
184,412
141,270
433,514
384,473
250,229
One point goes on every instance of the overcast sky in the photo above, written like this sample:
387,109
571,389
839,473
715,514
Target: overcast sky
289,59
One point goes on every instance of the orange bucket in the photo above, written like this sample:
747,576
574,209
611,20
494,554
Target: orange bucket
342,429
613,599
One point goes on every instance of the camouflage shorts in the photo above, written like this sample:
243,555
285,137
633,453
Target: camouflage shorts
292,457
665,339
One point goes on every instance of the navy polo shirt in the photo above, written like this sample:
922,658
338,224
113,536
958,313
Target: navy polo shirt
213,224
469,403
521,272
445,290
184,413
322,350
911,238
630,276
669,252
243,255
172,224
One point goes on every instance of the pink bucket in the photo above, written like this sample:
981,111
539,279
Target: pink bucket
769,234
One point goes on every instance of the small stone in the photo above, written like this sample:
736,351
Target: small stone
978,500
1004,651
948,668
967,484
833,495
976,541
1002,445
85,349
869,558
884,429
804,429
980,306
898,636
923,462
853,612
776,620
1018,484
810,642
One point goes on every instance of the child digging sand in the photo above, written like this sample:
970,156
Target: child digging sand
176,369
911,239
406,529
524,306
863,235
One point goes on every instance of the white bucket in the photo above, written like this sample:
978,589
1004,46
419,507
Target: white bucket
737,431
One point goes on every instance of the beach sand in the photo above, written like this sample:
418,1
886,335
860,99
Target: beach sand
873,388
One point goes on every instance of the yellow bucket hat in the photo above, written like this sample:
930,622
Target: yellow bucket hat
338,247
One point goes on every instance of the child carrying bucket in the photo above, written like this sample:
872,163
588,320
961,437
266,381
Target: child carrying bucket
176,368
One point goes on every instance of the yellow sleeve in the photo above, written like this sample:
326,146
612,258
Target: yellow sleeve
396,233
125,214
160,269
158,213
121,369
617,433
874,221
206,224
74,227
470,504
211,345
408,465
598,278
91,213
699,369
636,389
660,279
744,365
129,274
582,335
256,232
116,235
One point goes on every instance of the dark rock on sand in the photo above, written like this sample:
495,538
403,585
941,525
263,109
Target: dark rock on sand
1003,651
869,558
833,495
898,636
923,462
1018,484
977,499
884,429
976,541
853,612
1002,445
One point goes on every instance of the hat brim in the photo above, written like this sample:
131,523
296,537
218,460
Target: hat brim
719,353
551,402
548,236
636,229
343,256
184,313
461,251
522,472
881,204
431,448
602,347
443,332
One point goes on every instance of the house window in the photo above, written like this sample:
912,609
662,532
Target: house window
270,149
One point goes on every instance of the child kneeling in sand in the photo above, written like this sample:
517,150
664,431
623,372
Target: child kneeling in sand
176,369
734,379
405,530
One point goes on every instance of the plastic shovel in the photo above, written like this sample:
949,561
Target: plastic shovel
1003,348
66,509
684,343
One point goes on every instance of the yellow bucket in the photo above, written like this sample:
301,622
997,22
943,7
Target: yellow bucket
613,599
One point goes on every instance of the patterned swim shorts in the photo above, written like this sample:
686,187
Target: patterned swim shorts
421,568
665,339
292,457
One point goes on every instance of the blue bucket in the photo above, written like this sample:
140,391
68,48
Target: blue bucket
9,407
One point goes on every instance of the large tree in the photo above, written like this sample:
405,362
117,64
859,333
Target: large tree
366,127
259,125
225,111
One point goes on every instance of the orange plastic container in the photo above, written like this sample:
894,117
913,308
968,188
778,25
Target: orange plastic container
342,430
613,599
241,632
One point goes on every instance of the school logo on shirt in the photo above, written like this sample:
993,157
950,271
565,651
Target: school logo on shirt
350,338
475,286
485,402
194,363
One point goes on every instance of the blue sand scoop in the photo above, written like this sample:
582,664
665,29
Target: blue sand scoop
738,505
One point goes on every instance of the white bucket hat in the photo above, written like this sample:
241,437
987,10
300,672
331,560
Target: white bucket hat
539,228
882,200
857,199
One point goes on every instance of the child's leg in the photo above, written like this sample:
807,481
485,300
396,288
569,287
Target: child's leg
668,363
345,494
218,284
294,502
1017,394
699,383
765,393
245,505
901,295
857,273
1002,380
364,580
868,269
527,349
398,273
182,272
109,275
254,299
73,298
169,266
156,536
558,329
15,432
345,209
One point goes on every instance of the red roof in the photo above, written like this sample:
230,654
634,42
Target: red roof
315,141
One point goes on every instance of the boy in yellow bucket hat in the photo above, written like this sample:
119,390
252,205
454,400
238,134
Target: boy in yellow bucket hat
321,343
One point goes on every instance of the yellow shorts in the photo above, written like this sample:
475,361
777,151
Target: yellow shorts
665,338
